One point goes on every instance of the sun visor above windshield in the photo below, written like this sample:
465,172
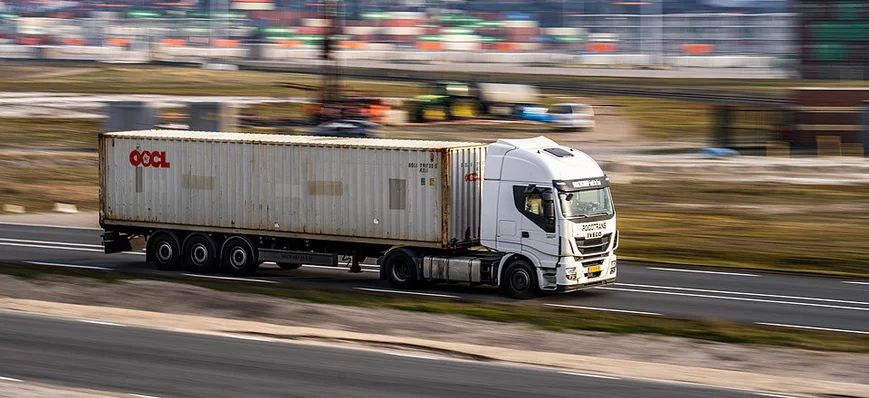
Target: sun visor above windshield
581,185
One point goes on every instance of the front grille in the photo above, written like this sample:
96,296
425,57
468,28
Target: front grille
593,246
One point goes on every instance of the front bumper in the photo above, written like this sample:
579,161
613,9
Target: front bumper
587,285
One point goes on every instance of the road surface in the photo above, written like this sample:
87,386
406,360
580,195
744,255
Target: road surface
741,296
157,363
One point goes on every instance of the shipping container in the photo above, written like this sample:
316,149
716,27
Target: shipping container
361,190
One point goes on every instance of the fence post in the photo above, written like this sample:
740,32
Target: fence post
864,126
723,126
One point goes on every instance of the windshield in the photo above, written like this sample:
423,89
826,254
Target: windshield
560,109
585,204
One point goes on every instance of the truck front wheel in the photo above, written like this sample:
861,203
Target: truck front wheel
238,257
401,271
519,280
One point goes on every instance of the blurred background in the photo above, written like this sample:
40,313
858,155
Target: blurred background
734,134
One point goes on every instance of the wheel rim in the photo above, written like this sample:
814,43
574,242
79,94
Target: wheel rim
164,252
199,254
238,258
401,271
520,280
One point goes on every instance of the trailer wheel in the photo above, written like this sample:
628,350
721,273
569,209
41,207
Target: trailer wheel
238,257
289,266
200,254
401,271
520,280
165,251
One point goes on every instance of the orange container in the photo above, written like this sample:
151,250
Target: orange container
74,41
118,42
29,41
353,45
174,42
226,43
602,47
289,43
698,49
507,46
429,45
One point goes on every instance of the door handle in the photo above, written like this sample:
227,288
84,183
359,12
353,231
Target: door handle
525,234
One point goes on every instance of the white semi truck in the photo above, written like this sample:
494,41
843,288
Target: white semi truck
527,215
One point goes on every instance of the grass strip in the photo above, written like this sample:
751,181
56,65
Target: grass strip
556,319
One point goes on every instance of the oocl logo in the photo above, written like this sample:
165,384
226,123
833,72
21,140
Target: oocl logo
472,177
149,159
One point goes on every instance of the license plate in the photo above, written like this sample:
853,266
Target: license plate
594,269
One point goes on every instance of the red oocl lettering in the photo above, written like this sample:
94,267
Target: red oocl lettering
146,158
149,159
472,177
135,158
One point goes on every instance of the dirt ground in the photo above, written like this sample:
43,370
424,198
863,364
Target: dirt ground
191,300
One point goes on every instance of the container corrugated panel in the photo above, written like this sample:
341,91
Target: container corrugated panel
363,190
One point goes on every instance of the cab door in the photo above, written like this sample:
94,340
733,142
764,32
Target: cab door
537,229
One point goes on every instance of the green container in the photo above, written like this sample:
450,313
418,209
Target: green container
137,14
831,52
569,39
490,39
428,38
849,10
376,16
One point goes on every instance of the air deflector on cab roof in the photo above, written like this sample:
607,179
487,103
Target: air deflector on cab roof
558,152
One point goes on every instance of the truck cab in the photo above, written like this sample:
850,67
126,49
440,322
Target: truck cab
548,207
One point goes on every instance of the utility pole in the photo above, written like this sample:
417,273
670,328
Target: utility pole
331,90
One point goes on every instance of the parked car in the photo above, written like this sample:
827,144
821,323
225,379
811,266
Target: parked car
347,128
573,116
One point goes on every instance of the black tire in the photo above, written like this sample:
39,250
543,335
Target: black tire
200,254
238,257
520,280
165,252
289,266
401,271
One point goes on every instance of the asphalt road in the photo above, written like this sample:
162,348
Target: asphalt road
741,296
157,363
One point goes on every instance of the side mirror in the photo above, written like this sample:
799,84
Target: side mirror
549,210
569,197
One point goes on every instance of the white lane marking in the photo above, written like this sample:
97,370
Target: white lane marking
19,224
45,242
368,289
857,283
691,289
230,278
701,272
103,323
68,265
401,354
840,307
766,394
338,268
602,309
812,328
252,338
76,249
144,396
9,379
589,375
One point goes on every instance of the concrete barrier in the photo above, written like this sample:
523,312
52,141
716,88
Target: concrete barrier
13,209
65,208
